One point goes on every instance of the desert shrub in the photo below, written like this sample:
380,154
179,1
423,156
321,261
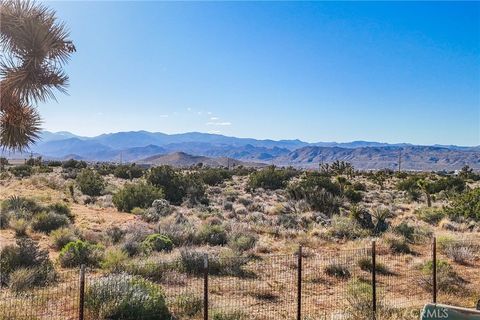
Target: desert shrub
90,182
22,171
122,296
48,221
289,221
319,192
26,253
61,208
226,263
187,304
465,205
214,235
114,260
381,216
181,234
359,300
160,208
19,226
79,252
406,231
230,315
54,163
459,251
410,186
132,244
352,195
269,178
450,184
21,205
358,186
398,245
74,164
337,270
157,242
128,172
345,228
61,237
115,234
170,181
366,264
447,279
139,195
430,215
214,176
27,278
241,241
195,190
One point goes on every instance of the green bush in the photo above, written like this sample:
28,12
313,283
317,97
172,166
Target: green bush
74,164
114,260
19,226
129,172
122,296
79,252
226,263
345,228
398,245
366,265
447,279
353,196
214,235
187,304
157,242
230,315
61,237
49,221
27,278
318,191
214,176
465,205
337,270
240,241
21,205
151,269
270,178
22,171
170,181
430,215
61,208
139,195
90,182
26,253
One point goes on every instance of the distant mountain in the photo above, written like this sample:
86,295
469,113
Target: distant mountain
182,159
412,157
138,145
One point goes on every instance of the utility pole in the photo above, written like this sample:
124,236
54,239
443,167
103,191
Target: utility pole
400,160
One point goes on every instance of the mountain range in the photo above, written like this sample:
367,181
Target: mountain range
213,149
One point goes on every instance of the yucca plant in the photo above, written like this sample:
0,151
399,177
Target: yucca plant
35,47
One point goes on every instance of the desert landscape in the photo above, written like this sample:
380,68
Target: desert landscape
156,226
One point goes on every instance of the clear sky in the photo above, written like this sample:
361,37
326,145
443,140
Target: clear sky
392,72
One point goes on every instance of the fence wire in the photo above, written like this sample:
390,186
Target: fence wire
334,285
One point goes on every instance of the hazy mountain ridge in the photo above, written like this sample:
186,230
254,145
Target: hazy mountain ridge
143,145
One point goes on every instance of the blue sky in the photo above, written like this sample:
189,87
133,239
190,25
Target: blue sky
393,72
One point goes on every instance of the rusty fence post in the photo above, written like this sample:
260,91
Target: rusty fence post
434,269
205,288
81,305
374,280
299,284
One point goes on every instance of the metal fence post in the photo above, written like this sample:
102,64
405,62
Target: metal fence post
82,293
374,279
434,269
299,284
205,288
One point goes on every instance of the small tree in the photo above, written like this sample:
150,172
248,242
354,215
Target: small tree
90,182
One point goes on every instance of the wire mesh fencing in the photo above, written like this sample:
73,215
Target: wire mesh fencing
58,299
309,284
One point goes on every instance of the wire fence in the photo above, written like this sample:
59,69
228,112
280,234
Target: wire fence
310,284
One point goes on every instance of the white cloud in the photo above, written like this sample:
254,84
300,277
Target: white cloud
214,131
226,123
214,118
163,116
189,109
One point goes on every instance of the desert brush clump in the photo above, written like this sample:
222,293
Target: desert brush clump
157,242
79,252
271,178
138,195
123,296
90,182
49,221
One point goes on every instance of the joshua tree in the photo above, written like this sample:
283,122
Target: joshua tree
35,46
426,187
